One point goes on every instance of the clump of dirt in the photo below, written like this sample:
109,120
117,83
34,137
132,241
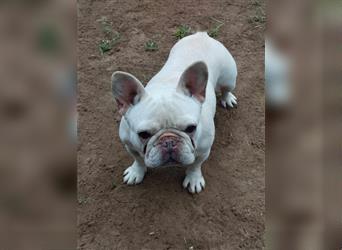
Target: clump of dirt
159,213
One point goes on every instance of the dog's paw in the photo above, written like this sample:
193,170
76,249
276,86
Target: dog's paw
194,181
229,101
134,175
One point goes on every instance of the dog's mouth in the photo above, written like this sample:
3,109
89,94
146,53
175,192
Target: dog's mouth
166,148
192,142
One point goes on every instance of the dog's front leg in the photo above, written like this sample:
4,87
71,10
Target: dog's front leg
136,172
194,180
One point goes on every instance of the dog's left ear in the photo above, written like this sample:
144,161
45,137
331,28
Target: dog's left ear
193,81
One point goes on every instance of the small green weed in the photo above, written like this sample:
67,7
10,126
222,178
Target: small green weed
107,44
259,18
214,31
82,200
114,185
182,31
255,2
106,26
151,46
110,38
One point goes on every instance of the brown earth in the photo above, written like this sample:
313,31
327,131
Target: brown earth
159,213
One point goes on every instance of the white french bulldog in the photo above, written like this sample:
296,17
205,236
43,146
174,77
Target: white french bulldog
171,120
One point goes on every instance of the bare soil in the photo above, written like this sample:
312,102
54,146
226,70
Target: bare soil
159,213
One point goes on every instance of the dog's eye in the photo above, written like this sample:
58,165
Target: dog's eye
190,129
144,135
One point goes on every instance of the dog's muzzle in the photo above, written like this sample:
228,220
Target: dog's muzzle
168,148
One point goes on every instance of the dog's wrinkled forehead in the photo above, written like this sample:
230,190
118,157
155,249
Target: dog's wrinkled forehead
164,111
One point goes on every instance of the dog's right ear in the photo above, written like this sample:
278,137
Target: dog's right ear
127,90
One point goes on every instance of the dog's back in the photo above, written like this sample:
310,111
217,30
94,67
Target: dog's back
200,47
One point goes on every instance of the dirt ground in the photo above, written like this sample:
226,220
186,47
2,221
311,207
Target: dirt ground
159,213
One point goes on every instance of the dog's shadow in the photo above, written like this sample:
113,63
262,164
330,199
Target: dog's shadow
164,179
160,186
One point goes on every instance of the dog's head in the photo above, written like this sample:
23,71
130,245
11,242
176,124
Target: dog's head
162,125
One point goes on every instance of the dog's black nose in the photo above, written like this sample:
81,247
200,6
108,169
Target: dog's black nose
169,144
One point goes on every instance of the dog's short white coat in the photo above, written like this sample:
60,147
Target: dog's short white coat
222,73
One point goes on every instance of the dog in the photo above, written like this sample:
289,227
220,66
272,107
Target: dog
170,122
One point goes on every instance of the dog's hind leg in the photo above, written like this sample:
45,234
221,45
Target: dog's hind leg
228,99
226,85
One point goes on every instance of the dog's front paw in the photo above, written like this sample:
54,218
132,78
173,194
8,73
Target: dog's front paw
229,100
194,181
134,174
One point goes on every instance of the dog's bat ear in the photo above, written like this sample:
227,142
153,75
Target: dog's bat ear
127,90
193,81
